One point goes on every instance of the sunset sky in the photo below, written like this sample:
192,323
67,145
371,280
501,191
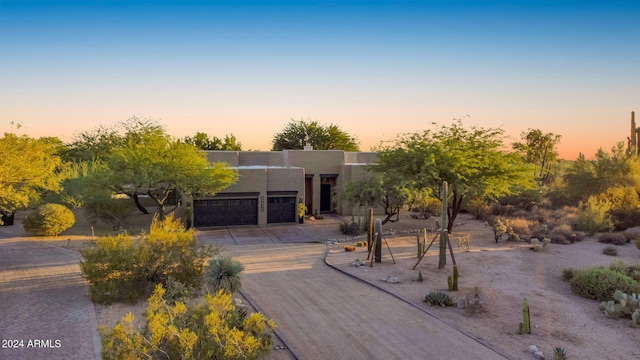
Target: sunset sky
375,68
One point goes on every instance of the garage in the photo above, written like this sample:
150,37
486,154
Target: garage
281,207
225,211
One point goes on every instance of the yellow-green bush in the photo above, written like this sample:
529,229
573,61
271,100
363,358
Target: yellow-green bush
212,329
593,216
49,220
125,268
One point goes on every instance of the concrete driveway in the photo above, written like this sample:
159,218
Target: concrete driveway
324,314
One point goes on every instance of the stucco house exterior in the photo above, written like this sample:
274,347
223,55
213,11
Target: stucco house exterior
271,184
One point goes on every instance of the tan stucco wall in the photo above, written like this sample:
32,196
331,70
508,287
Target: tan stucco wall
264,158
264,180
264,171
229,157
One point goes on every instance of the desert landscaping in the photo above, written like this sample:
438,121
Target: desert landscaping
506,272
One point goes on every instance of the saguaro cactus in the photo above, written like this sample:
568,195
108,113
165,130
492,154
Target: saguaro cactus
525,325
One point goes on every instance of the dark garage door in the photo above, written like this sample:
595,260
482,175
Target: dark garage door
281,209
225,212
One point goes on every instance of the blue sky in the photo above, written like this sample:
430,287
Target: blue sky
375,68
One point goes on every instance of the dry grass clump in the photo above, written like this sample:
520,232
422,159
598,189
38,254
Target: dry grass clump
521,226
475,300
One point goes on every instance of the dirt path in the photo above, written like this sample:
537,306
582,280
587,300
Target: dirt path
324,314
45,313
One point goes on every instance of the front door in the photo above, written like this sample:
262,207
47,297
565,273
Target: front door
325,197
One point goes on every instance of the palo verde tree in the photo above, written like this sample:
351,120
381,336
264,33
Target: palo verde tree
470,160
151,163
299,133
540,149
382,189
28,168
203,142
586,177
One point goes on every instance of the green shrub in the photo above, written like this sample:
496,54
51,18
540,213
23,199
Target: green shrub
612,238
49,220
600,284
479,208
618,266
177,291
568,274
122,268
212,329
351,229
633,271
437,298
593,216
224,274
637,242
625,206
611,251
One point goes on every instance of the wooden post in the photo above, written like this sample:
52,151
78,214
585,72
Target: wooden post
370,238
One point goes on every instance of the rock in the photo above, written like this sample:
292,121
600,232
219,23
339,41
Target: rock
391,279
533,349
358,263
539,355
462,303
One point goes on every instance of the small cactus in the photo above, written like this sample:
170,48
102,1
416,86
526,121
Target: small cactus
420,278
437,298
450,283
622,306
455,278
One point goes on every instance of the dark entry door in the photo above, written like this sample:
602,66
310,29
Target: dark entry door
281,209
225,212
325,197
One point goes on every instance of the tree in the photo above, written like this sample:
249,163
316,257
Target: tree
539,149
28,167
96,144
151,163
585,178
203,142
383,190
299,133
470,160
